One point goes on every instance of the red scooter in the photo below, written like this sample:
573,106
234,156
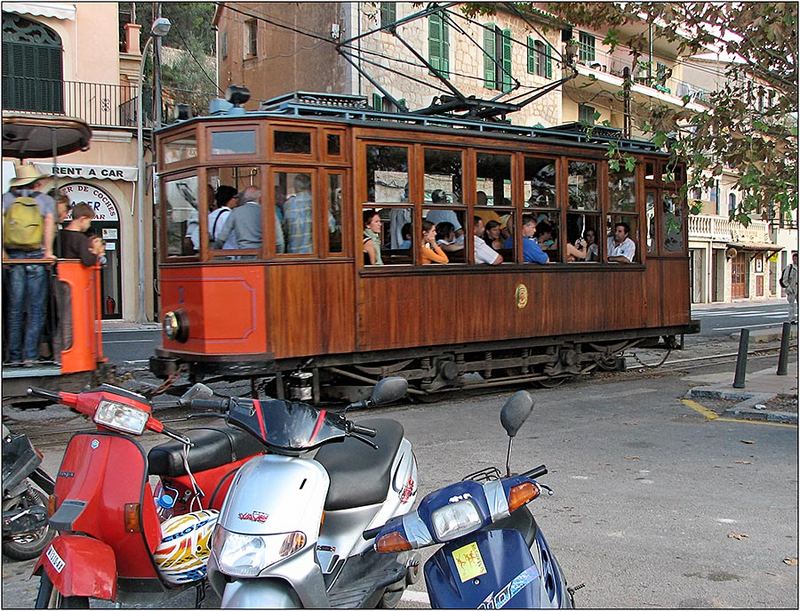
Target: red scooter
118,539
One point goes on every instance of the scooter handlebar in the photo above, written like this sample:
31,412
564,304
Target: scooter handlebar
46,394
217,405
371,533
536,472
363,430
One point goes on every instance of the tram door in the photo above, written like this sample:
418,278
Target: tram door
110,275
739,276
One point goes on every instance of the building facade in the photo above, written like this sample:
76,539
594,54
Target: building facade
256,49
76,59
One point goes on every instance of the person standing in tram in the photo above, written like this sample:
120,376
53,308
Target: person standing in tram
28,233
244,221
297,220
225,199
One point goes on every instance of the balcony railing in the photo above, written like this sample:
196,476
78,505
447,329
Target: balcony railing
720,229
616,63
99,104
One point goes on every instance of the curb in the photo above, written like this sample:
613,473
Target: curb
745,408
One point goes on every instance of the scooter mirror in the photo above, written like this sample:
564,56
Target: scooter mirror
198,391
388,390
516,411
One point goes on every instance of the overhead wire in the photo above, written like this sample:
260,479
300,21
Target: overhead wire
196,61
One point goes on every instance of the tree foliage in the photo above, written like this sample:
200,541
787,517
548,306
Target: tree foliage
749,124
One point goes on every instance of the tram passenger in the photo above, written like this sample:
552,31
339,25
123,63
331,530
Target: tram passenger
33,213
576,251
75,243
546,235
481,199
439,198
62,206
431,251
406,234
491,235
372,238
297,219
483,252
244,222
225,200
507,230
592,249
447,239
531,251
621,249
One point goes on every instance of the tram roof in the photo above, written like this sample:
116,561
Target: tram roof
354,110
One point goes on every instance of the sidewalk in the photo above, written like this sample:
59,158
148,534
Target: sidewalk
742,303
764,391
114,326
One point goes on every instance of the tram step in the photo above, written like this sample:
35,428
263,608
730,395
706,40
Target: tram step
31,372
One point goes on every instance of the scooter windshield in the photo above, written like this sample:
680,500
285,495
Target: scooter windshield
285,425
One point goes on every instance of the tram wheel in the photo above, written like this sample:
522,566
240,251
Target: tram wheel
553,382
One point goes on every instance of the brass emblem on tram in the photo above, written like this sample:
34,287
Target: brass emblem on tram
521,295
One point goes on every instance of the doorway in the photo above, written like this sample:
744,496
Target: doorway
739,266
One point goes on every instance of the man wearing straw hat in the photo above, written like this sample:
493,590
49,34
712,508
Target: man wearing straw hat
27,284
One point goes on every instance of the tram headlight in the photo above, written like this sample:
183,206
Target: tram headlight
176,326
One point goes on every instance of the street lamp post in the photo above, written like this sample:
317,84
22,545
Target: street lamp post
159,29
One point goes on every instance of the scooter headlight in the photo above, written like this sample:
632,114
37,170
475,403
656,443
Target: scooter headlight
455,520
247,555
121,417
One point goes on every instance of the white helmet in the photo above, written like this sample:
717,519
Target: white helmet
182,555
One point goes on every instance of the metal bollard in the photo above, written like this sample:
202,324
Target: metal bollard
741,359
783,358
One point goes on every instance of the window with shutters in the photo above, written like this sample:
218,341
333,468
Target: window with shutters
388,13
497,58
251,30
540,60
586,47
32,66
223,44
439,44
586,114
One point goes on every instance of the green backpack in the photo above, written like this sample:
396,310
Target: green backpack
23,225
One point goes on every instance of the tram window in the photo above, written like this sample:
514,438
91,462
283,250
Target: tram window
394,235
633,222
622,190
649,170
294,211
335,198
443,176
650,204
670,172
583,185
228,183
672,229
540,183
233,142
450,228
334,145
493,182
387,174
586,228
181,216
180,149
295,143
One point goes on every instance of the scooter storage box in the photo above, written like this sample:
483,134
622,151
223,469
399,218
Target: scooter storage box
19,460
213,447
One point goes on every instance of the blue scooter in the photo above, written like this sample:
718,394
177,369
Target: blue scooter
494,555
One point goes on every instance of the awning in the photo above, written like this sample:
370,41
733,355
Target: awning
34,136
754,248
56,10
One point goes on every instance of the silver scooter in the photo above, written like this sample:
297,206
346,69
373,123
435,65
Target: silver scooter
289,532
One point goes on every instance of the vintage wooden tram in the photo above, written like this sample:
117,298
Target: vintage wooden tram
304,309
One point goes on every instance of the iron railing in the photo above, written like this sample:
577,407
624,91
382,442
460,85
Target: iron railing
99,104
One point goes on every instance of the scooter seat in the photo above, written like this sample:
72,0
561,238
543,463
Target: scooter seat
213,447
360,474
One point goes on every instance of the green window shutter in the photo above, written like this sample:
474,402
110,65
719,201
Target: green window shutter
548,61
377,101
488,57
531,56
435,41
445,49
388,13
506,60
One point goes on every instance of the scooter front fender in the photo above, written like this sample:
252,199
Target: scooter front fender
260,594
80,566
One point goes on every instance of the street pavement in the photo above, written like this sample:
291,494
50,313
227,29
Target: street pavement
727,318
655,505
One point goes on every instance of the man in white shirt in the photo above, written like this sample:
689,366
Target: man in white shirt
483,252
621,249
225,198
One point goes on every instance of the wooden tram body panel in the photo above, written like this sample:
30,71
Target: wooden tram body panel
278,309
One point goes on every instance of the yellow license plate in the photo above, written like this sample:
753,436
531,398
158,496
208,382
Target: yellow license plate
469,562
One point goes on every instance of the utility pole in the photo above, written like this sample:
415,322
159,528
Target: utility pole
626,101
157,78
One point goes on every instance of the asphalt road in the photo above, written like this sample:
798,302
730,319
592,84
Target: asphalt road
727,319
654,506
132,347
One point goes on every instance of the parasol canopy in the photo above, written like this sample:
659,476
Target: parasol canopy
33,136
